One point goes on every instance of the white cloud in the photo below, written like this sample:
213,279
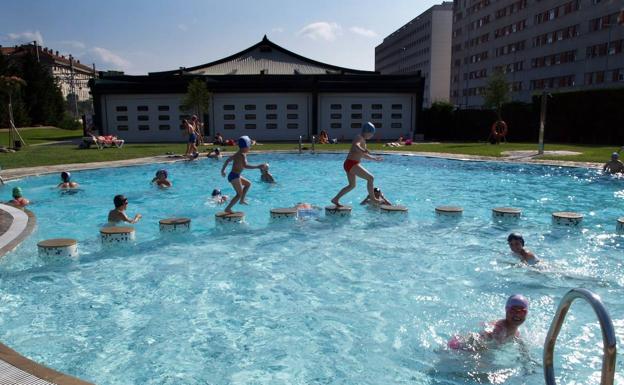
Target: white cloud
278,30
109,57
26,37
182,27
363,32
73,44
321,30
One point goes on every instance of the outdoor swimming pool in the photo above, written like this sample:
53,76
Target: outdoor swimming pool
369,300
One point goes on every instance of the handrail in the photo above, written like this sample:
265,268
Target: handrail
606,326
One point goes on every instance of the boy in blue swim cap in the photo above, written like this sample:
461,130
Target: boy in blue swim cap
354,169
239,163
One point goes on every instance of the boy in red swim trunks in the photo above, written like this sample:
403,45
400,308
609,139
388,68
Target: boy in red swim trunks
353,167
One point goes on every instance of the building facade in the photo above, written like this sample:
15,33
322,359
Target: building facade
423,44
266,92
71,76
554,45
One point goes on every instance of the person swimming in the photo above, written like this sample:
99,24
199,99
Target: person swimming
161,179
18,198
118,214
66,181
379,195
516,244
218,197
266,175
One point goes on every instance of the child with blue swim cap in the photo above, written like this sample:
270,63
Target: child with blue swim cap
354,169
239,163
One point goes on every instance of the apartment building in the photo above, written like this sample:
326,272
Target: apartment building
553,45
423,44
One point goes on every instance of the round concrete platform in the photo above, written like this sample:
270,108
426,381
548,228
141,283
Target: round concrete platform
567,218
174,225
58,248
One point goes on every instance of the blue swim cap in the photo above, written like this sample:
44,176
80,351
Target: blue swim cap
244,142
368,127
517,300
615,155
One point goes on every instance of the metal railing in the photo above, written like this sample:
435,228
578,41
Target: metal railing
606,326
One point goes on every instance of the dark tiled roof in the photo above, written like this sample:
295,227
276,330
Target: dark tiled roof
45,54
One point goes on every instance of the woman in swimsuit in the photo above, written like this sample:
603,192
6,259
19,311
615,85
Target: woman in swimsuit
353,168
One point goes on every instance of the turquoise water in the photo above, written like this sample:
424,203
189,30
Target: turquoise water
368,300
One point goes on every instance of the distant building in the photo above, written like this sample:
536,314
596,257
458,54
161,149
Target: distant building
541,45
60,67
423,44
264,91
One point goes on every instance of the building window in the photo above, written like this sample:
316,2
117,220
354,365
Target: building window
336,125
397,106
121,108
271,126
163,108
378,124
122,118
164,127
356,106
336,116
397,116
143,118
163,117
229,126
250,116
376,106
250,107
250,126
143,127
292,116
356,116
229,117
271,107
336,107
292,106
122,128
142,108
356,125
271,116
396,125
376,116
292,125
228,107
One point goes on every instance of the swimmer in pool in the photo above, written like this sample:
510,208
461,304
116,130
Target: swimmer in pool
379,195
516,244
217,197
266,175
615,165
239,163
118,214
354,169
499,332
161,179
18,199
66,181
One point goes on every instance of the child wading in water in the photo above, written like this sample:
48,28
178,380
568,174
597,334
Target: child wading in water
240,184
353,167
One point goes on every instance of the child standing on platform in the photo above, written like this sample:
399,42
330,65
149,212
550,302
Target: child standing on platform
239,163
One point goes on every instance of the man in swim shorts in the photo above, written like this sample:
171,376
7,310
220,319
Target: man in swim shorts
516,244
191,148
354,169
239,163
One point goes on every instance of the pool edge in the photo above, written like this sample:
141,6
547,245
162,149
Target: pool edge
23,223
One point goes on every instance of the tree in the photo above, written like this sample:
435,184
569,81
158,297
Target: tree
496,92
197,98
10,85
42,95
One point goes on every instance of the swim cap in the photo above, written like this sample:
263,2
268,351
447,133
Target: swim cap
515,236
615,155
65,176
162,172
216,192
17,192
517,300
368,127
244,142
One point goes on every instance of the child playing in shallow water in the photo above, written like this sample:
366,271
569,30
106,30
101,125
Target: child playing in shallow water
516,244
66,181
161,179
217,197
379,195
239,163
18,200
354,169
266,175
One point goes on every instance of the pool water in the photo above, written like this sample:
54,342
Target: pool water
367,300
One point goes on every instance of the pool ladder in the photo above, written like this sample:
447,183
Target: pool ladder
606,326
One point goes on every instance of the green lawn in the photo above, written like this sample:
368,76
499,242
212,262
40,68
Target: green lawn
35,135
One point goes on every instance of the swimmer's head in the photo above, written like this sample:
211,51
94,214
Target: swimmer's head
162,173
217,151
216,192
244,142
615,156
515,237
516,309
17,192
65,176
517,300
368,129
377,191
194,118
120,200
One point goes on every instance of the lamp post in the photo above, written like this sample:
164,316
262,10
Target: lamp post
540,145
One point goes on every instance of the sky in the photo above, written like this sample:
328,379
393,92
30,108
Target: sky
141,36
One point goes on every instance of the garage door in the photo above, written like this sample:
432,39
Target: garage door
342,115
262,116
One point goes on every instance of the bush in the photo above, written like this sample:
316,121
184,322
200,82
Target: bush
69,123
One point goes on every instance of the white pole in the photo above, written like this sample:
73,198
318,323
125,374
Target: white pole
540,147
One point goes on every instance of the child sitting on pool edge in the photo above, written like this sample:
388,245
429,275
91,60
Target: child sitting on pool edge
66,181
239,163
161,179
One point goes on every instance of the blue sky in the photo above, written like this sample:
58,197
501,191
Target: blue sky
138,36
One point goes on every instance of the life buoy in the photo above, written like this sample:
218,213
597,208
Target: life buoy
499,129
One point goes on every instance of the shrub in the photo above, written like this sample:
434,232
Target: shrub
69,123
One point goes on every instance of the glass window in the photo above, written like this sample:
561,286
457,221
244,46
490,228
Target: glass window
182,117
122,128
250,126
356,116
122,118
356,106
164,127
228,107
292,106
143,118
336,107
143,127
163,117
378,124
396,125
397,106
121,108
336,125
271,107
229,117
250,107
376,107
229,126
292,116
376,116
397,116
271,126
271,116
336,116
163,108
142,108
292,125
356,125
250,116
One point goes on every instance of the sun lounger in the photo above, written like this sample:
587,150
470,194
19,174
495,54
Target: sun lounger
103,141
